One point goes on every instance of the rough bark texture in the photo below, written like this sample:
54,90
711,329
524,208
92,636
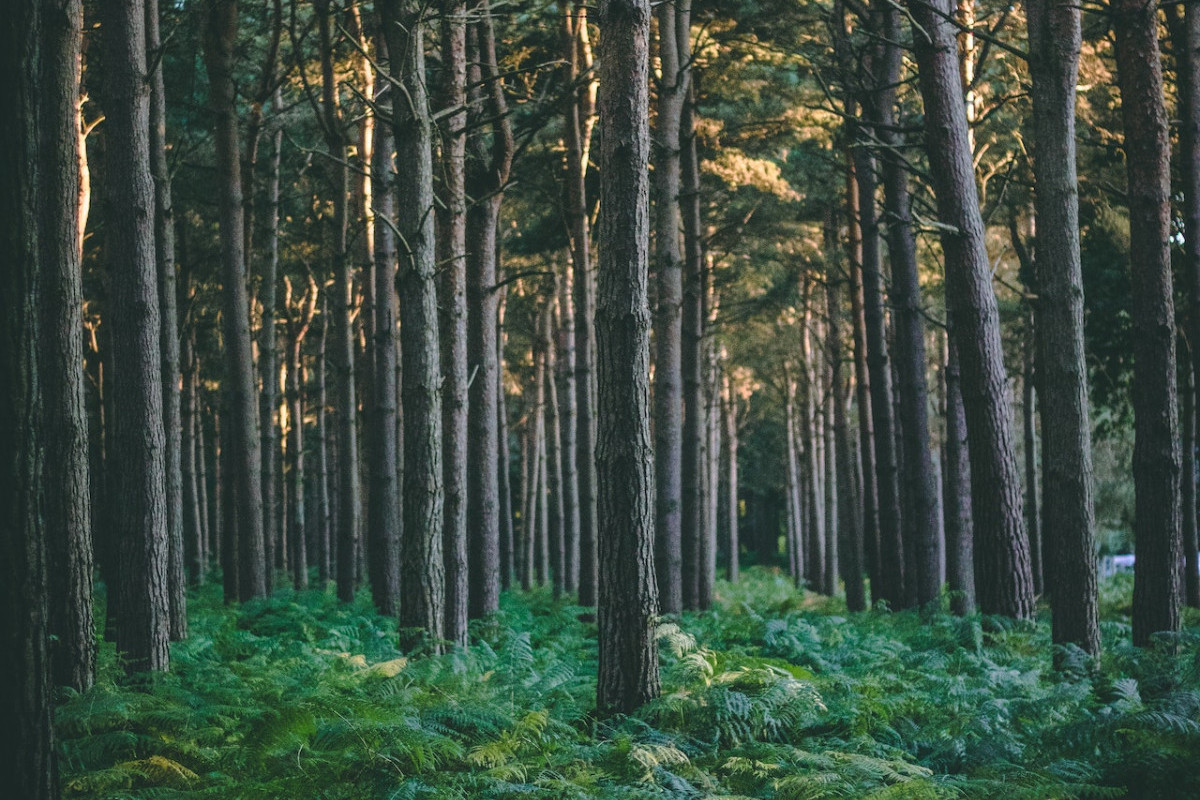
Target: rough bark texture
341,356
164,244
628,601
268,360
140,512
324,545
1185,36
920,523
383,498
242,417
1054,42
577,130
451,217
729,417
27,750
956,496
554,465
1156,452
422,587
891,547
568,422
67,485
1002,566
675,561
849,523
1191,578
1033,521
298,327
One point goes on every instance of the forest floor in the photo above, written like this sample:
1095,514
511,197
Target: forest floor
772,694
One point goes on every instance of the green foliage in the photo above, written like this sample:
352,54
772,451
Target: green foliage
773,694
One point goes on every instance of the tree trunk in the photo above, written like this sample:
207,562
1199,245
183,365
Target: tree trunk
849,523
729,407
68,495
1005,580
833,487
383,509
1054,42
628,601
919,527
502,463
795,486
486,177
1185,36
675,560
554,465
451,218
1028,412
1156,452
1191,577
814,498
242,422
567,427
956,498
577,134
298,515
422,585
268,361
138,444
891,547
324,534
192,467
28,761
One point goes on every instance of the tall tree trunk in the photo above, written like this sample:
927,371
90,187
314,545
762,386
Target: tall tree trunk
28,761
68,494
956,498
1185,36
1054,42
849,522
1191,575
164,243
919,526
324,534
422,585
869,498
1005,580
383,509
891,546
138,444
1156,452
486,177
567,424
578,134
268,361
795,483
451,218
554,461
729,407
833,487
628,597
506,544
242,421
814,492
1032,510
298,327
675,560
342,355
192,467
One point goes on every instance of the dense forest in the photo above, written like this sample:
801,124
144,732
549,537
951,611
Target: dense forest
540,398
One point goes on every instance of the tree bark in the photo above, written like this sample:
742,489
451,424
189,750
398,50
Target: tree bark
1002,566
1191,576
1032,507
554,461
324,534
1156,452
487,174
729,407
891,545
139,448
956,498
577,134
27,747
628,601
1185,36
675,560
422,586
68,499
298,326
568,422
242,420
849,523
383,509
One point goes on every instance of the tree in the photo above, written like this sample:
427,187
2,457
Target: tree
1054,42
164,244
28,766
1002,566
677,575
67,483
422,587
242,420
628,598
140,510
920,523
451,256
1156,453
383,496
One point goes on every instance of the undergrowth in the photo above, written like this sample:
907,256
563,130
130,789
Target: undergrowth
773,694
